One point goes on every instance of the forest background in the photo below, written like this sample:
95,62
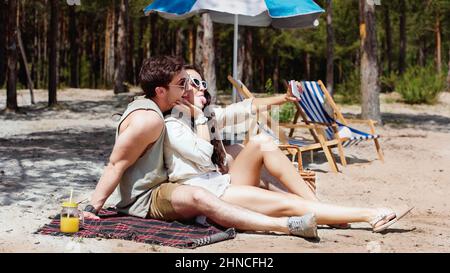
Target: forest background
101,45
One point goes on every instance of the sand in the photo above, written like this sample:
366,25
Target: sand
44,153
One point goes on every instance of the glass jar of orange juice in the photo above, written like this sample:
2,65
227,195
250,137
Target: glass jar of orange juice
71,217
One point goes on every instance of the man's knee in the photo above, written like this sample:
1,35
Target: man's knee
192,197
203,199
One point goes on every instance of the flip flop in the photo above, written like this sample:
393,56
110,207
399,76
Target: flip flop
386,215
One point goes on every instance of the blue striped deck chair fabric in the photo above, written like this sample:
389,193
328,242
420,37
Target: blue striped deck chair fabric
313,99
293,146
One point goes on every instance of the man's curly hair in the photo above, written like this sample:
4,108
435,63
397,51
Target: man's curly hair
158,71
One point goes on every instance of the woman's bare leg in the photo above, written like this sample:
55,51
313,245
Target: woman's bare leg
267,181
277,204
262,151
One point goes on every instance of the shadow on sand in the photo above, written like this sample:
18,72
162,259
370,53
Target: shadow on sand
38,164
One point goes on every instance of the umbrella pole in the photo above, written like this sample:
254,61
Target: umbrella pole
235,54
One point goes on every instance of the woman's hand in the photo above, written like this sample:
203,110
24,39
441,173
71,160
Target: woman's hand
289,96
186,107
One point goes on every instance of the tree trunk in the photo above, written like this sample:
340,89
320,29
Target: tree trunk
330,48
308,65
73,40
120,71
154,33
53,52
44,36
276,72
130,50
387,28
36,47
3,9
109,63
88,45
370,88
402,29
173,41
262,71
25,64
97,60
82,50
179,42
248,62
11,56
198,55
191,44
142,29
437,30
241,53
60,55
205,54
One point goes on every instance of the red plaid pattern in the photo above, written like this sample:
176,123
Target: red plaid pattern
113,225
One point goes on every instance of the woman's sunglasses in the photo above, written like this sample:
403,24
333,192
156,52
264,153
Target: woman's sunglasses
198,83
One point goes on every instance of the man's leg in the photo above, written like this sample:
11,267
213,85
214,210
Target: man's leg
189,202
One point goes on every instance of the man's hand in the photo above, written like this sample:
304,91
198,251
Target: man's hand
89,215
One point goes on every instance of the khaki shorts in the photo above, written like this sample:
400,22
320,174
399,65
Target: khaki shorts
161,203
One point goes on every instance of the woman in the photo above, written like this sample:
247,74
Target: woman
193,156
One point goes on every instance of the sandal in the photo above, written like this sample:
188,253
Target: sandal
388,217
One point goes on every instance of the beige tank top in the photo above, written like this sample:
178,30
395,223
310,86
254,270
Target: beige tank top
132,195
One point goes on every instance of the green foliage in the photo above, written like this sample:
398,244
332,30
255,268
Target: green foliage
84,71
285,113
388,82
348,92
289,49
269,87
420,85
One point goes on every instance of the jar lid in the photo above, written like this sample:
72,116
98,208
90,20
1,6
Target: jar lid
70,204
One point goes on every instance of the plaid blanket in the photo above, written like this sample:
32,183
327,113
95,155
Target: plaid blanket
113,225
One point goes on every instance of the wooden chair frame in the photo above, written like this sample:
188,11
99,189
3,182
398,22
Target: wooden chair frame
294,150
337,115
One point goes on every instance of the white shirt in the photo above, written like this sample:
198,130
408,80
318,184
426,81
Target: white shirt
187,156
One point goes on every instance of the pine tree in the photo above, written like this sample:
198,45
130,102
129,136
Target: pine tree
120,70
370,88
11,56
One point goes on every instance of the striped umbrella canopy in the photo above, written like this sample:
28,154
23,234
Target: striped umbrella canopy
262,13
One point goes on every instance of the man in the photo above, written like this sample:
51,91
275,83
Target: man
136,166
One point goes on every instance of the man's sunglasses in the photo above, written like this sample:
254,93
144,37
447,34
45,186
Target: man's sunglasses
184,83
198,83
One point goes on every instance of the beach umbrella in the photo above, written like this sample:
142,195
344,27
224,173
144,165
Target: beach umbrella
262,13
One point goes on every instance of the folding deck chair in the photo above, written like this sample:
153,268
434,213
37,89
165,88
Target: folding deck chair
294,147
311,107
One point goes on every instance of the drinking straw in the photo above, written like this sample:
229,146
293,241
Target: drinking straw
70,200
71,192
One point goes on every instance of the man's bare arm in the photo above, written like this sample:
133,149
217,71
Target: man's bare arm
142,130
